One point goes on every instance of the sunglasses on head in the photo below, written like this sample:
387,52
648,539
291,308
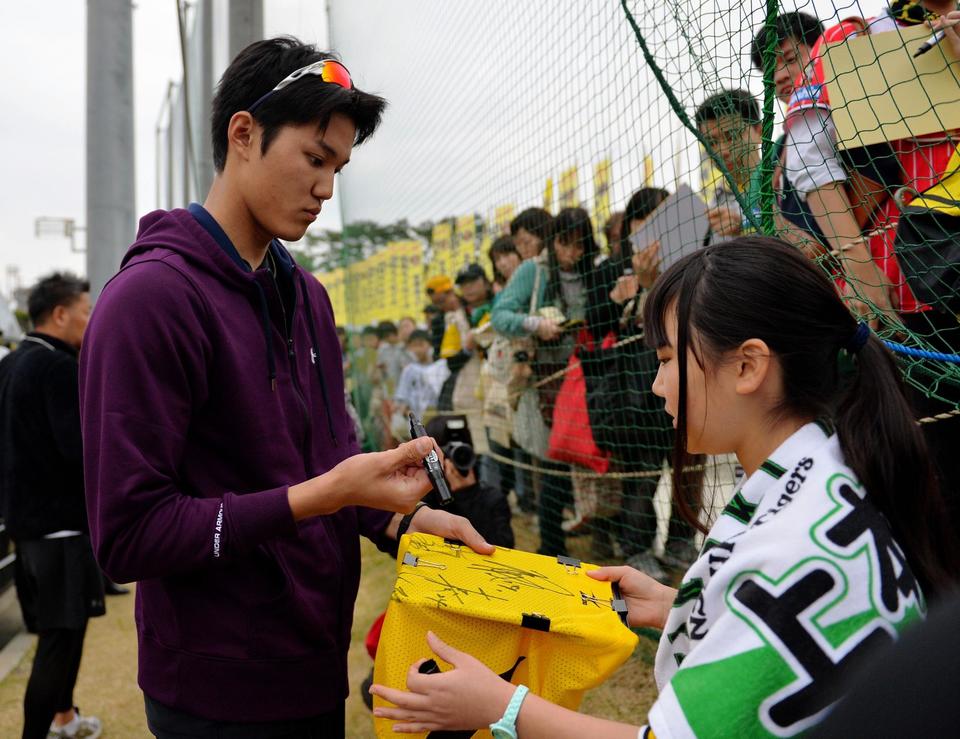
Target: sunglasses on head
327,70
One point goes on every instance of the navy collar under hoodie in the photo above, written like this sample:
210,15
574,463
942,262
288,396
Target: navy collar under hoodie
283,276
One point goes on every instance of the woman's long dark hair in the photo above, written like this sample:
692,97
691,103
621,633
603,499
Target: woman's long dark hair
571,226
759,287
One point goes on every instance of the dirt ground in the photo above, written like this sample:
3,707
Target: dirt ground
107,686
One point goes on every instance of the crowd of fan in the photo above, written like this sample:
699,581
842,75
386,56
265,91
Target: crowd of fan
541,361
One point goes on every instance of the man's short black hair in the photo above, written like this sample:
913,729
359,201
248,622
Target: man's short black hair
258,68
535,220
369,331
60,288
385,329
418,334
729,102
801,27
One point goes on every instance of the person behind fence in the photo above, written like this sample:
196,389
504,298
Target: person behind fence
793,36
405,326
897,201
415,391
221,465
530,231
636,433
57,580
505,259
501,473
546,301
462,390
444,300
832,544
391,354
613,234
729,122
481,504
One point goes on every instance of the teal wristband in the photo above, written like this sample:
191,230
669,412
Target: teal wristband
506,727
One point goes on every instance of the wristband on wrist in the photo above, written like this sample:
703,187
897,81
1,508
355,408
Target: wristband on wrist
506,727
408,519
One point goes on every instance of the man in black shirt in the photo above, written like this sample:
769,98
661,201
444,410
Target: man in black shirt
41,475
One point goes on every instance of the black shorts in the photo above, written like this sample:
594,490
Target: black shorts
59,584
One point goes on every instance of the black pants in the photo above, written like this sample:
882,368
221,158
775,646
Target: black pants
168,723
54,674
636,524
556,492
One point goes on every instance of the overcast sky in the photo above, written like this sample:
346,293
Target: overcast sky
487,99
43,60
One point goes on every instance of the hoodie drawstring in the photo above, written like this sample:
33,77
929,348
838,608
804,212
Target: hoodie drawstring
314,356
265,318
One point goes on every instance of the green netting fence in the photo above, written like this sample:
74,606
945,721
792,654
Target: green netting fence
499,107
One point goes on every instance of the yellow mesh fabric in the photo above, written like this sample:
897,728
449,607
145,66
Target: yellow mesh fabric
478,604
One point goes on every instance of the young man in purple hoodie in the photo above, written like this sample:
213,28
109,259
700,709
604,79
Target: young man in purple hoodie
222,469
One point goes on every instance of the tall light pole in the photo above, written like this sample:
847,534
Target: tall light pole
111,216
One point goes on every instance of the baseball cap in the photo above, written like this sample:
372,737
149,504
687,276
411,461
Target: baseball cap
439,284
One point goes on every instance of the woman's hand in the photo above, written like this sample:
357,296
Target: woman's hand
626,288
725,221
446,525
648,601
547,330
646,264
470,696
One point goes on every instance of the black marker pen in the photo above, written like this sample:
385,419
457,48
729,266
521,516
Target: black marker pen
431,463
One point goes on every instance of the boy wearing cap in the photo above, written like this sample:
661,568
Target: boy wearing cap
221,466
444,300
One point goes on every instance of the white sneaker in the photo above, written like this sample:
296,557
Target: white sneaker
82,727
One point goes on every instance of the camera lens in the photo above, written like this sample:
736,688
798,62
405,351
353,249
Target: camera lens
462,456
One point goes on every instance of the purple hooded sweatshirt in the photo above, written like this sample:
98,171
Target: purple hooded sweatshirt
202,400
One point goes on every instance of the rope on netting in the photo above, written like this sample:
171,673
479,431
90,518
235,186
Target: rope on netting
596,475
922,353
560,373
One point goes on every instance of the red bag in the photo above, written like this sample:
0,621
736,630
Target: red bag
571,439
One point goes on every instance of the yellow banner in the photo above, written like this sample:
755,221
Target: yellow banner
568,188
465,250
335,284
442,245
502,215
548,195
602,178
648,171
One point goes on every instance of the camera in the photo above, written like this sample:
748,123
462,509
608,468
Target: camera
461,455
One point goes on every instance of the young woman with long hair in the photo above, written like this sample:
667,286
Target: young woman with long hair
828,549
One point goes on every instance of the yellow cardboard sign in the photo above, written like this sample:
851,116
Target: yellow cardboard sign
880,92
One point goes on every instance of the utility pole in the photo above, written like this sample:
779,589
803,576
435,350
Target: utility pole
246,24
111,217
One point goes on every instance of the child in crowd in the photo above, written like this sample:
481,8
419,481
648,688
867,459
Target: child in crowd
415,391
